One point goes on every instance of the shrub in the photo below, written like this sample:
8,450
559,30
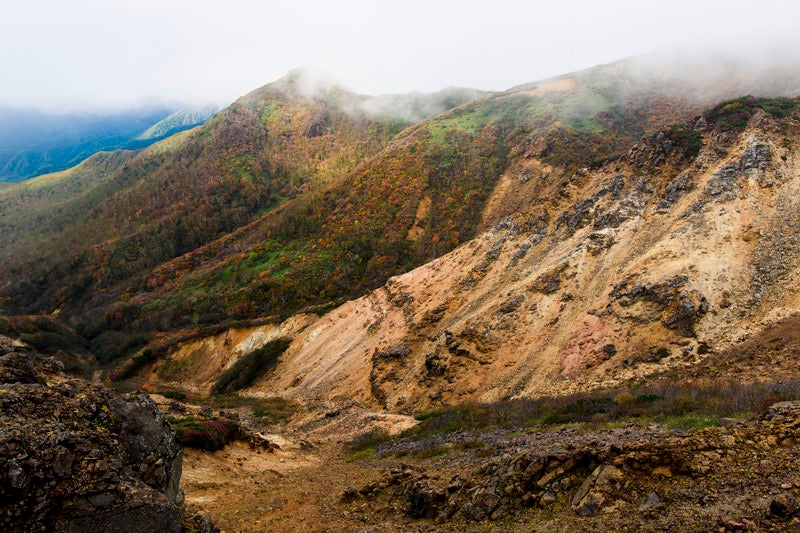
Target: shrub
685,138
251,366
735,114
369,440
114,344
208,435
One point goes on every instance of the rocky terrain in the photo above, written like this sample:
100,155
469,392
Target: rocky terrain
739,477
638,475
609,344
649,263
78,457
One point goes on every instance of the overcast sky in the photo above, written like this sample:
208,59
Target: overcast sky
87,53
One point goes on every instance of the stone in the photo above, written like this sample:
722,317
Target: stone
649,502
604,481
663,471
784,505
93,461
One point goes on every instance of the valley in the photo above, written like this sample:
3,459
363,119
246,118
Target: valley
571,305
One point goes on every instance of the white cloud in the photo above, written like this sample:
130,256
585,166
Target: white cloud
106,53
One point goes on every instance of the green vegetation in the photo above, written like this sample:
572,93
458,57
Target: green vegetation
462,119
364,445
735,114
202,434
111,345
686,139
272,410
283,203
251,366
691,421
679,406
44,333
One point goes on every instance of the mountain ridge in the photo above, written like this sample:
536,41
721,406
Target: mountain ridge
566,281
34,143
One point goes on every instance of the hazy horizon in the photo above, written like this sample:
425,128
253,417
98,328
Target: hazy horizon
89,55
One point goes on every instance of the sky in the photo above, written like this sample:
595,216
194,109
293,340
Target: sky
90,54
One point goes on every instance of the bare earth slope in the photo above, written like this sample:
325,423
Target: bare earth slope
646,264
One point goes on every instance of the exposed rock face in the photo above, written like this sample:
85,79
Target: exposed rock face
618,273
632,478
677,308
78,457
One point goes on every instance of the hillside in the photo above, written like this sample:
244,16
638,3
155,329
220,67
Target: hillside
34,142
679,249
571,305
88,239
302,195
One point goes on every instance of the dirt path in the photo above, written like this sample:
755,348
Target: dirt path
285,490
294,488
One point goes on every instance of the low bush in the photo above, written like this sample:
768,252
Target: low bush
369,440
735,114
685,138
208,435
251,366
114,344
680,405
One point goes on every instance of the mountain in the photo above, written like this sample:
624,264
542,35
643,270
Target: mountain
678,249
180,120
35,142
519,309
611,355
301,195
114,224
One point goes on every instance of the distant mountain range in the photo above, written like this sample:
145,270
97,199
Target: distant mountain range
35,142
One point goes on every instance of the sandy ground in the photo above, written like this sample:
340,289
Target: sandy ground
294,488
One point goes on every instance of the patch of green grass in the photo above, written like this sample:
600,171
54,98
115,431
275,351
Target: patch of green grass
426,415
251,366
466,120
270,113
691,421
360,454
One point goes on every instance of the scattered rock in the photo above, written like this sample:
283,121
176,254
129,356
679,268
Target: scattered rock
784,505
596,489
617,470
650,502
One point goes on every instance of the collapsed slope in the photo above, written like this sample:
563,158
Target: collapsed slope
682,247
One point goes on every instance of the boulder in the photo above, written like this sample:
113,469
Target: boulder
77,457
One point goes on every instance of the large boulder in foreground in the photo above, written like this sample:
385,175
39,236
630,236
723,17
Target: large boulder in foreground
77,457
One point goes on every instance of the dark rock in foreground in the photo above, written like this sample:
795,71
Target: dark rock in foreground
78,457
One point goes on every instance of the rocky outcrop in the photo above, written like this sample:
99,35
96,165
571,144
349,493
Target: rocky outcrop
78,457
673,303
632,478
